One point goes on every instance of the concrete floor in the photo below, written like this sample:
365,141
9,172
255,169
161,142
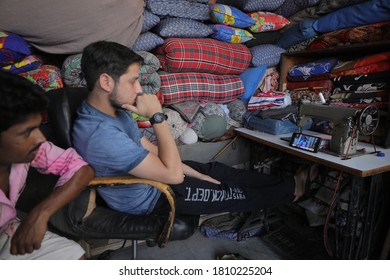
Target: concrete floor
198,247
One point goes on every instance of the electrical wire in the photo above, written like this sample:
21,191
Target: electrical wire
335,192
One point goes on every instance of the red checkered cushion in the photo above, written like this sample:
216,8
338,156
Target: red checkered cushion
204,55
178,87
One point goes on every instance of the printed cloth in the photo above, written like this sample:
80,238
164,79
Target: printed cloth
313,68
371,59
186,109
150,64
310,94
350,96
268,100
362,105
176,124
150,82
203,55
363,87
361,79
228,15
13,48
71,71
179,87
28,63
383,66
324,84
48,77
309,78
270,80
355,35
265,21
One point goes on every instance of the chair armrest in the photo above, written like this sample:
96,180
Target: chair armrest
164,188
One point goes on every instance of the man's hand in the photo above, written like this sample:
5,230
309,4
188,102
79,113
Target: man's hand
29,235
209,179
146,105
189,171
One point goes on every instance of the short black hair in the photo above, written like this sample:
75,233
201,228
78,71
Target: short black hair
106,57
19,99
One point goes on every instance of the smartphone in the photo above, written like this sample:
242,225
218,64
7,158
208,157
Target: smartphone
305,142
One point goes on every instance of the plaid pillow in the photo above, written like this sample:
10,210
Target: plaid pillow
179,87
204,55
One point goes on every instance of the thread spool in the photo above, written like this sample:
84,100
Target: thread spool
323,101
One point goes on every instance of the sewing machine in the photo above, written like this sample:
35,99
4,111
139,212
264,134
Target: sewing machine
347,123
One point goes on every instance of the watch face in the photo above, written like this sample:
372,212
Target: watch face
159,118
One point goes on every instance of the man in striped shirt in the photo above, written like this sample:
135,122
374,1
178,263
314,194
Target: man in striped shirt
22,145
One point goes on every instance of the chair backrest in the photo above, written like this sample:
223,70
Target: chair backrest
63,110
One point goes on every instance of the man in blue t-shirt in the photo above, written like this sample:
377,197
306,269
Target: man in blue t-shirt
107,136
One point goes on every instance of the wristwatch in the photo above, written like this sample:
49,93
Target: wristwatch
158,118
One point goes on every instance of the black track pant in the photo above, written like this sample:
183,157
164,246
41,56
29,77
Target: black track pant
240,190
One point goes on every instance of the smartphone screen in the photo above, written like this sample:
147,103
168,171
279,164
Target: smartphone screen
305,142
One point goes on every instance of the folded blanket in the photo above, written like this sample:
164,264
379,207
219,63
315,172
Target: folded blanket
383,66
361,79
363,87
355,35
150,64
324,84
150,83
317,67
308,78
311,95
371,59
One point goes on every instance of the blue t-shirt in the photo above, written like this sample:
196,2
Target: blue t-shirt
112,145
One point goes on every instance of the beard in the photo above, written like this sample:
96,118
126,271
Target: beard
114,99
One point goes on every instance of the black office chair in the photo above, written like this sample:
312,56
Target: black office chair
88,217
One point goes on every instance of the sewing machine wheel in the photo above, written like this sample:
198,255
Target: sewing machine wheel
368,120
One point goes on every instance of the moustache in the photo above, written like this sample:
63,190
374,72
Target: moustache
35,148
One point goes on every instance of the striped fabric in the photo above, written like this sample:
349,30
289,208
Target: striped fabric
178,87
204,55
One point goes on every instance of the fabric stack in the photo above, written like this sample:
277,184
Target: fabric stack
311,81
331,23
362,82
172,19
203,70
16,57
